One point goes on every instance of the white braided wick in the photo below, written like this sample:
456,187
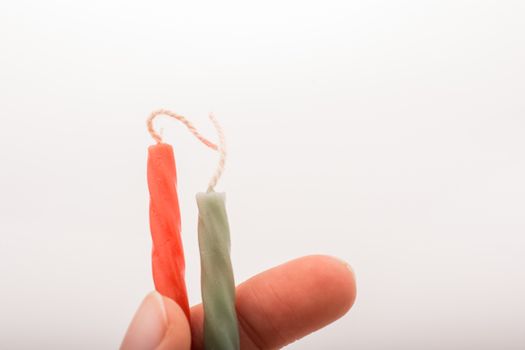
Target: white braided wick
180,118
222,140
222,153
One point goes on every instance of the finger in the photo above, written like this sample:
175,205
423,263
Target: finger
159,324
288,302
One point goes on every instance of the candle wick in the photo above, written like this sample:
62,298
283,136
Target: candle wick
180,118
221,148
222,153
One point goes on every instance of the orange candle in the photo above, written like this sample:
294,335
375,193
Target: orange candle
167,255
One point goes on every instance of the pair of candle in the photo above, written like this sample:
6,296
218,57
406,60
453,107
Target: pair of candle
217,281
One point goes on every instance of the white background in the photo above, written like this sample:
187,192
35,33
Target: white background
388,133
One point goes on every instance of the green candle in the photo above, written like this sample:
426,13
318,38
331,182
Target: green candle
217,282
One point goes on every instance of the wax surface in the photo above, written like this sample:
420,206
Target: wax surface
167,254
217,282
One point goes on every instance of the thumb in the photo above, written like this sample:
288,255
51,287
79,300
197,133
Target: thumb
159,324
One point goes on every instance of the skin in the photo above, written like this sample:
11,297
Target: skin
274,308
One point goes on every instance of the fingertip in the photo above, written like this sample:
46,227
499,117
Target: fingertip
337,274
324,285
294,299
159,324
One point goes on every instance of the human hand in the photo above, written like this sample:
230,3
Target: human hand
274,308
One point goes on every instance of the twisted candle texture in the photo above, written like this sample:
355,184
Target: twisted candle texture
168,255
217,281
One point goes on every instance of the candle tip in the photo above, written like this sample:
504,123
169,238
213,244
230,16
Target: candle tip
221,147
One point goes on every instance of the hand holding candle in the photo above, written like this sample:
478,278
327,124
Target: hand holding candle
276,307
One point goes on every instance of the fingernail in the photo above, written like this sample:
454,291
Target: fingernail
148,326
346,264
